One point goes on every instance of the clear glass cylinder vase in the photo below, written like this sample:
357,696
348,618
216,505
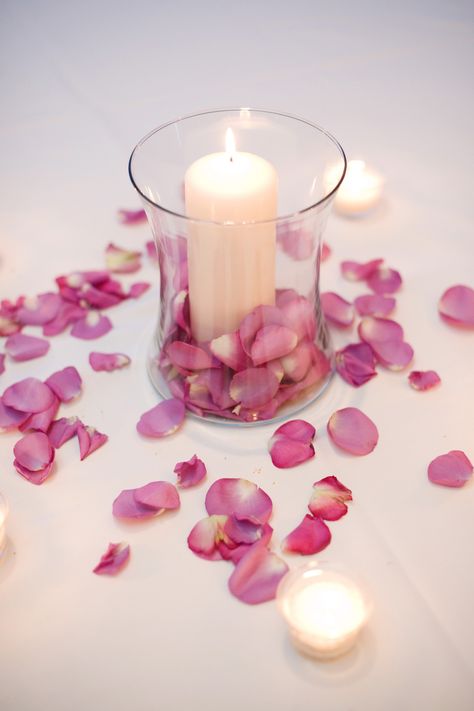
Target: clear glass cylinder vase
238,201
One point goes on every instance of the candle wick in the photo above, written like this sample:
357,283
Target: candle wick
231,158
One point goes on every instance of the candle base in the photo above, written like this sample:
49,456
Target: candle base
324,651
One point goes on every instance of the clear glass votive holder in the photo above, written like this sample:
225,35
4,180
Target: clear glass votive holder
237,201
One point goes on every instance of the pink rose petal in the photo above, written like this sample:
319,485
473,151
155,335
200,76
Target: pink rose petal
337,310
238,497
150,248
325,252
21,347
228,349
456,306
394,355
379,329
355,364
163,419
68,313
452,469
257,319
356,271
113,560
8,322
423,380
146,501
62,431
191,472
298,430
10,418
353,431
66,383
28,395
93,325
181,312
205,536
41,420
2,363
297,363
384,280
34,477
254,387
98,299
187,356
272,342
300,316
39,310
138,289
256,576
89,439
108,361
235,554
121,261
296,242
243,530
132,217
328,499
291,445
34,451
374,305
311,536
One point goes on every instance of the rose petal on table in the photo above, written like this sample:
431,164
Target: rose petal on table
41,420
228,349
138,289
328,499
163,419
374,305
423,380
28,395
243,530
21,347
358,271
256,576
38,310
150,249
351,430
62,430
456,306
254,321
337,310
254,387
394,355
113,560
93,325
205,536
452,469
286,452
325,251
300,317
90,439
384,280
65,383
76,280
238,497
10,418
132,217
311,536
158,495
108,361
236,551
191,472
121,261
98,299
299,430
68,313
37,477
8,324
34,451
372,329
272,342
2,363
297,363
188,356
355,364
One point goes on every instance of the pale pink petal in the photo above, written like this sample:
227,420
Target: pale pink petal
328,499
356,364
356,271
228,349
394,355
41,420
191,472
38,310
2,363
238,497
37,477
187,356
132,217
93,325
121,261
272,342
89,439
325,252
423,380
34,451
353,431
379,329
456,306
10,418
311,536
108,361
384,280
257,319
62,430
337,310
146,501
300,316
163,419
66,383
256,576
286,452
254,387
374,305
452,469
297,363
276,367
205,536
297,243
113,560
299,430
68,313
21,347
28,395
138,289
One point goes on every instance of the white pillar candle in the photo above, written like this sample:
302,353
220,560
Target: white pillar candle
3,523
231,267
360,190
325,611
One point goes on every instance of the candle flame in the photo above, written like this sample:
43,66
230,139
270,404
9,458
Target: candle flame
230,143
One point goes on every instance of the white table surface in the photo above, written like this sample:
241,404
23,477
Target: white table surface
81,82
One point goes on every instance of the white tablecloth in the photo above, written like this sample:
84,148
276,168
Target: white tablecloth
81,83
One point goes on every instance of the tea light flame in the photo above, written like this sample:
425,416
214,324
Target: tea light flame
230,143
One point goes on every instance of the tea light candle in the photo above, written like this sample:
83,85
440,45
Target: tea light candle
324,609
3,525
360,190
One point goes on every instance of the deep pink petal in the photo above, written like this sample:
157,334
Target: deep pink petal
379,329
158,495
34,451
337,310
10,418
311,536
356,363
191,472
99,299
297,363
38,310
2,363
150,248
205,536
21,347
272,342
452,469
256,576
37,477
89,439
300,317
254,387
108,361
257,319
41,420
423,380
238,497
113,560
93,325
299,430
138,289
28,395
66,383
456,306
121,261
243,530
325,251
384,280
286,452
228,349
132,217
188,356
328,499
374,305
68,313
356,271
229,552
62,431
163,419
394,355
353,431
